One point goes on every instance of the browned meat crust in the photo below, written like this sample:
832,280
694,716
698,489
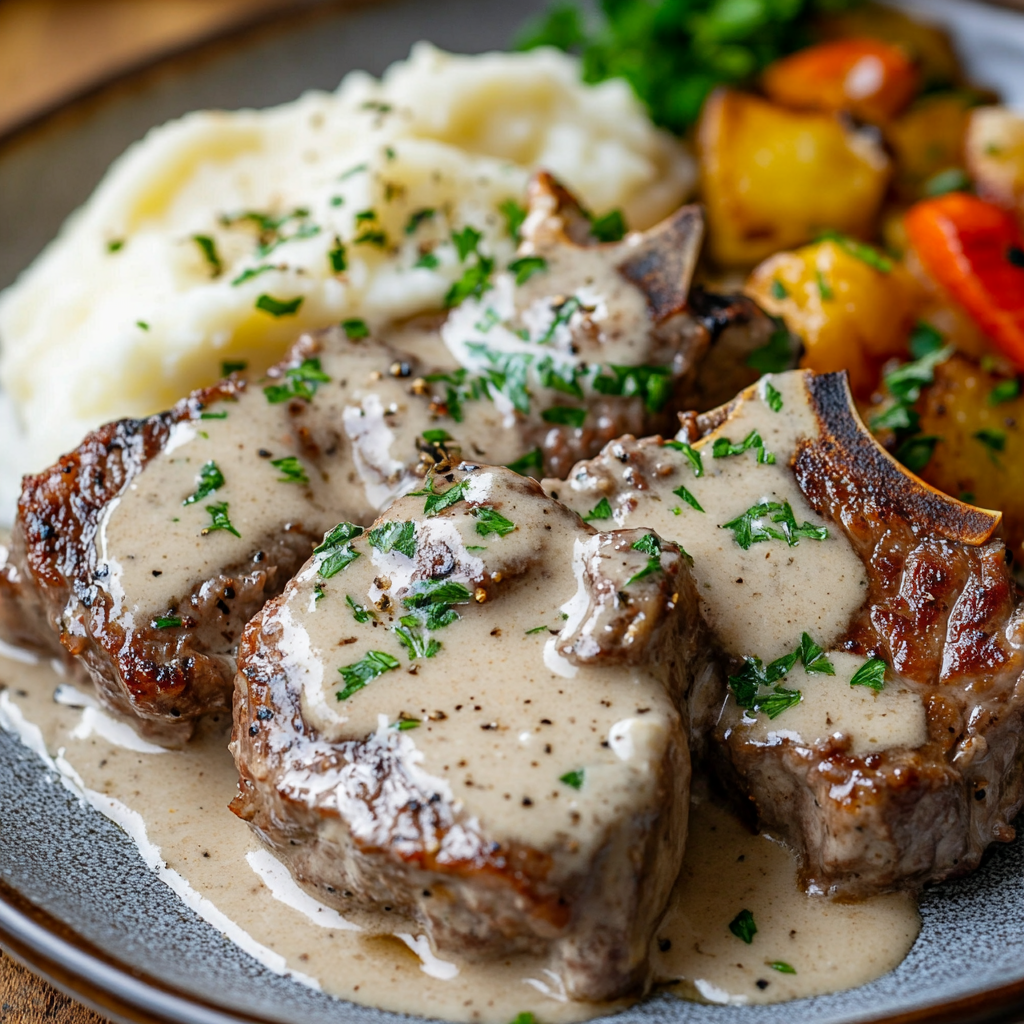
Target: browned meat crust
356,828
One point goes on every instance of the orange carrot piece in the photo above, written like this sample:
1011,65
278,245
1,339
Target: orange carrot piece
868,78
975,251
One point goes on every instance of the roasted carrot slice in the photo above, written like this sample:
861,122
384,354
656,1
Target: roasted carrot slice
866,77
975,251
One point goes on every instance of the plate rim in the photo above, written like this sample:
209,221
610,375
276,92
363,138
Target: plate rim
53,950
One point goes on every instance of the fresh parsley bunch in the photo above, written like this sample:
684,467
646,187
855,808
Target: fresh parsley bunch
674,52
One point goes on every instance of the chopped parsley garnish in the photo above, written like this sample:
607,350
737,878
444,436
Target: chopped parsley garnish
318,593
652,383
773,397
394,536
993,440
825,289
1004,391
336,256
358,169
371,236
753,525
475,280
813,657
428,261
514,215
337,200
602,510
953,179
292,471
865,253
536,629
723,448
916,452
690,454
115,245
336,549
781,966
436,503
564,312
490,521
650,546
416,218
609,228
436,436
251,272
359,611
561,377
210,480
219,519
404,724
778,290
167,622
431,607
414,640
300,381
776,355
906,381
573,779
526,1017
743,927
368,668
507,373
466,241
487,321
213,415
142,325
208,247
925,340
355,329
227,368
871,673
564,416
279,307
366,216
526,266
531,462
682,492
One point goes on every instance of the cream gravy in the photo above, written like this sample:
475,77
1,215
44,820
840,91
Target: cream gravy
174,806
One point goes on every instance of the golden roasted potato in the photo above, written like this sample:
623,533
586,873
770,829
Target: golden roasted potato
929,46
995,156
928,140
852,306
774,178
980,419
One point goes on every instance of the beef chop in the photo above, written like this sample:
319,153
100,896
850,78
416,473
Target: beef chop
873,634
472,717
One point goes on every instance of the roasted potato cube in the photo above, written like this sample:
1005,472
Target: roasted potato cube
853,307
980,418
928,46
868,78
928,140
774,178
995,155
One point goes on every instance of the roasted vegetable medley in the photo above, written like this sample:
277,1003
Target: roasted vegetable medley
867,194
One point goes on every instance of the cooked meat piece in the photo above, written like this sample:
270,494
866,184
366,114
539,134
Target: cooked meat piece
870,626
473,717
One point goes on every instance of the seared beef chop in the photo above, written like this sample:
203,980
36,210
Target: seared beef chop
473,717
809,529
148,548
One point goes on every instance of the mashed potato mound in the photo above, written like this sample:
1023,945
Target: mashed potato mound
221,236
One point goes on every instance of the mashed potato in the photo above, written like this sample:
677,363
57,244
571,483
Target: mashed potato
221,236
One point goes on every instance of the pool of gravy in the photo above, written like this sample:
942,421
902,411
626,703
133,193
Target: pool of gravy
173,803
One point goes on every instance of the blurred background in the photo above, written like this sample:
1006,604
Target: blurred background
50,49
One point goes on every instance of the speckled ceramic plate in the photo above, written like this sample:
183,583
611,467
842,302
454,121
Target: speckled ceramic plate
77,903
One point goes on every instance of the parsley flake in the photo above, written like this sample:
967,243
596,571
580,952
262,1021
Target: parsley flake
355,329
404,724
300,381
428,261
536,629
573,779
778,290
219,519
993,440
228,368
752,526
279,307
871,673
609,228
772,396
368,668
723,448
436,436
652,383
865,253
682,492
690,454
466,241
208,247
490,521
743,927
776,355
210,479
167,622
813,657
359,611
336,256
436,503
1004,391
292,471
564,416
416,218
526,266
781,966
336,549
393,536
531,462
650,545
514,215
602,510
